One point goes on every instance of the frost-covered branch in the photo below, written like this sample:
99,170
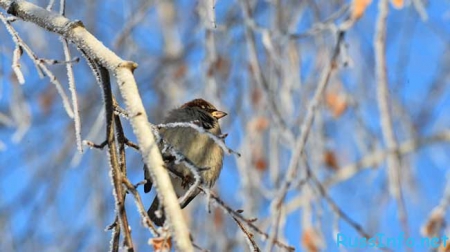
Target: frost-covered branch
217,139
40,66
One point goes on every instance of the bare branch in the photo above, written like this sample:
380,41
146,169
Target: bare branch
251,242
138,201
16,65
73,93
393,159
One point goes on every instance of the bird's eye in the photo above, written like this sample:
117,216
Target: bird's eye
203,107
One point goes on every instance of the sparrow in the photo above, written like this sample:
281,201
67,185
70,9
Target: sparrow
198,148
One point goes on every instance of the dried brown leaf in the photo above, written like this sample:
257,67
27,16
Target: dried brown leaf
221,66
444,247
180,71
359,7
330,160
260,164
337,103
311,240
398,4
261,123
46,100
161,244
435,223
256,96
218,217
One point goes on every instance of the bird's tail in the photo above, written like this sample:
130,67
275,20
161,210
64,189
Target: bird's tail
159,221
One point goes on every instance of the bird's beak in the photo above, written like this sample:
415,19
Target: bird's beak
218,114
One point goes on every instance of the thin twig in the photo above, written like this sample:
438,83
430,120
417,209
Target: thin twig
131,23
16,64
50,5
72,87
73,93
131,144
420,8
94,145
115,236
251,242
393,158
218,140
140,206
59,62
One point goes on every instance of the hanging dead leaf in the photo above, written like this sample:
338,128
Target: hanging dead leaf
311,240
161,244
435,223
218,217
330,160
46,100
256,96
261,123
260,164
221,66
251,69
444,247
359,7
398,4
180,71
337,103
